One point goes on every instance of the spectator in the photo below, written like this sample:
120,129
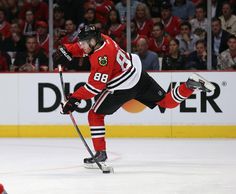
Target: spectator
39,9
143,20
148,58
33,59
71,36
227,59
58,18
58,26
5,61
12,10
114,27
3,4
197,60
4,26
186,39
171,23
70,33
159,42
15,27
16,42
184,9
173,60
28,26
233,5
197,2
102,9
216,8
43,36
219,37
199,23
73,9
154,7
228,20
90,18
122,8
134,37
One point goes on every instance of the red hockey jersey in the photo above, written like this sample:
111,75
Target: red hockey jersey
116,32
5,30
102,10
146,28
161,49
173,26
111,68
44,45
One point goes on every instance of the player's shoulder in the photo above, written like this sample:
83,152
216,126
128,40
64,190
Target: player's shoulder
108,46
108,40
105,54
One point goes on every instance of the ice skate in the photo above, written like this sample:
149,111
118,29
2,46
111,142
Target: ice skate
195,81
101,157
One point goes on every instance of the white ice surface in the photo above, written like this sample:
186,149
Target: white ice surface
142,166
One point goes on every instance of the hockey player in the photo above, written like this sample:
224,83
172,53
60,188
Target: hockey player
2,190
116,77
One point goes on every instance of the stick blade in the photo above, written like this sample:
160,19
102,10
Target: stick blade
107,169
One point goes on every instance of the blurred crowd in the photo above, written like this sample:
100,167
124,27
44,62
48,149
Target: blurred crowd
166,34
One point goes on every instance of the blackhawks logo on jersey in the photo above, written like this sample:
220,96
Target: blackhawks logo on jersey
102,60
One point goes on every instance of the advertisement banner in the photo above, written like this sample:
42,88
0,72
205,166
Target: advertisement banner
34,99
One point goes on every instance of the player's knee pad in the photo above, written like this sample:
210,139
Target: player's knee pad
95,119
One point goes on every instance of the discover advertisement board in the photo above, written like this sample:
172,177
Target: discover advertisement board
34,99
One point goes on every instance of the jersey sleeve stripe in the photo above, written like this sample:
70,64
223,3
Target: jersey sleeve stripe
100,100
122,79
120,76
123,74
108,7
91,89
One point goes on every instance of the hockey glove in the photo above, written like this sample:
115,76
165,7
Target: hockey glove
69,106
61,56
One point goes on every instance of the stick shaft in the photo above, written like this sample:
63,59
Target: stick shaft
74,122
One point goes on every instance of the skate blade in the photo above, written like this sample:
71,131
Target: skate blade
94,165
209,87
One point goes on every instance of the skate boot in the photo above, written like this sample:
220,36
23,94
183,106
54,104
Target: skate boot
195,81
101,157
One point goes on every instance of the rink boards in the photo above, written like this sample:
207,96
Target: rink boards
30,107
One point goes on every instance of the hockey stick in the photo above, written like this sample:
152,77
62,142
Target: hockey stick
104,169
